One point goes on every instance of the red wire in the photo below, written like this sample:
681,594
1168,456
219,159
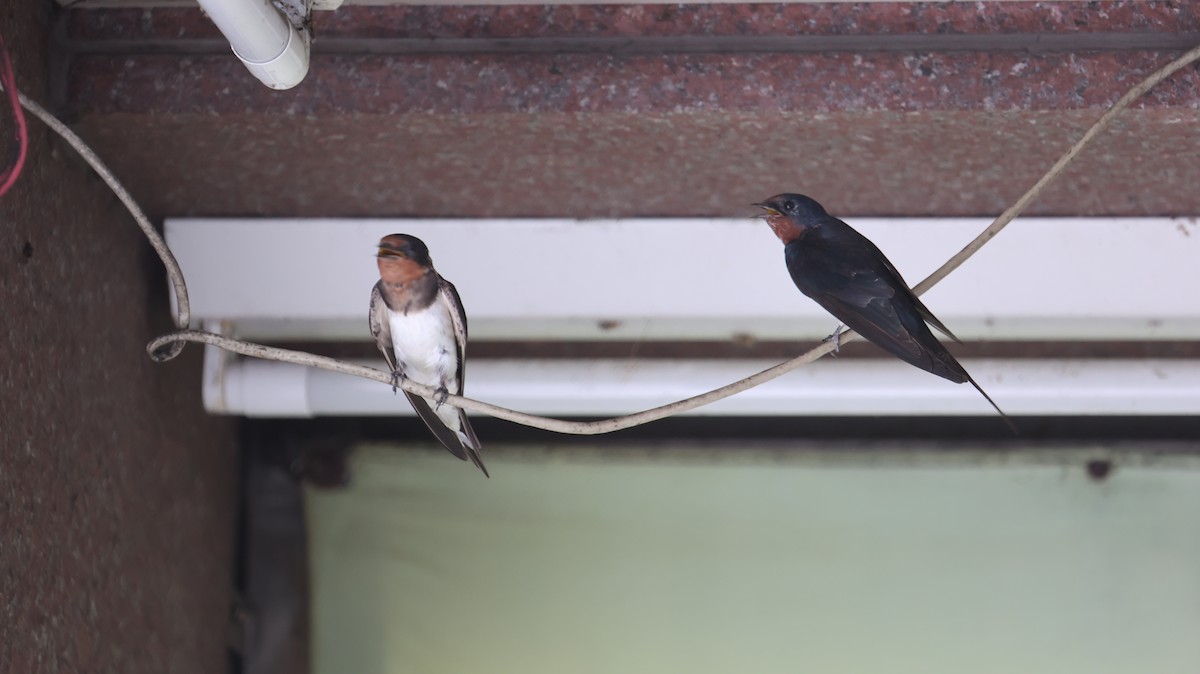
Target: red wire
9,79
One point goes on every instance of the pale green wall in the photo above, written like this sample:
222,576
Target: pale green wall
757,562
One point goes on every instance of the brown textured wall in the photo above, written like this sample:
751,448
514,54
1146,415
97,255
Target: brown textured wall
117,492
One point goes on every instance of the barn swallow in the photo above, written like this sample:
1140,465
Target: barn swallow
850,278
418,322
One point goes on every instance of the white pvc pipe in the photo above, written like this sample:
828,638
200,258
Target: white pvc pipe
262,39
828,387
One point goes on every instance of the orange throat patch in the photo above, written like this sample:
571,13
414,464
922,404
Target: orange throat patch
397,271
785,228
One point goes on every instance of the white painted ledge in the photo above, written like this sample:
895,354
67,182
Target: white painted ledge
634,279
829,387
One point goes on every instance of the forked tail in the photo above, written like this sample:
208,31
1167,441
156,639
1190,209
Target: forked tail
1004,416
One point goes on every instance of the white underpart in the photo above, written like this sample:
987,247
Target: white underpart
426,353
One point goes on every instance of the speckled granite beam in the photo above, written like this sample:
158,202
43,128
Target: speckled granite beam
869,129
973,18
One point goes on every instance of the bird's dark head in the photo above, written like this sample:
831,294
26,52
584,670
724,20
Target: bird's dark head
791,215
404,247
793,206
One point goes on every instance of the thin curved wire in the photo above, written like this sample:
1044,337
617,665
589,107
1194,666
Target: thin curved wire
183,306
168,346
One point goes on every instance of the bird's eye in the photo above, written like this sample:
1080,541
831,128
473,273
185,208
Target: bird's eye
789,205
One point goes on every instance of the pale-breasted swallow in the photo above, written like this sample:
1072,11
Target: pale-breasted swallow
418,322
845,273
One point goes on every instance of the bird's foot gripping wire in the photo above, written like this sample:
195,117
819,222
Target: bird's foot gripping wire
397,377
439,397
836,338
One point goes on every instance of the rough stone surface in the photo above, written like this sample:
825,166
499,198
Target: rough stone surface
117,492
488,134
602,165
891,18
765,84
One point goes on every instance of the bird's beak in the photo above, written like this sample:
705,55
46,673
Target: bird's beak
387,252
769,211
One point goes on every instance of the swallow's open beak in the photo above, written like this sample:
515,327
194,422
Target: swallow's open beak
769,211
388,252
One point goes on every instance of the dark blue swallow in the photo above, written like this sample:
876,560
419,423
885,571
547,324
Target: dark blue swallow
845,273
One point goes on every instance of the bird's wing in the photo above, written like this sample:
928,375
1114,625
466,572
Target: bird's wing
381,328
921,308
875,318
448,295
931,319
846,274
843,272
